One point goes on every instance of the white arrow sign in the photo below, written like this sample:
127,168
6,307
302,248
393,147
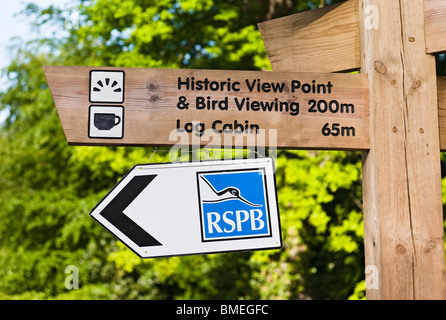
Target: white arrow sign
194,208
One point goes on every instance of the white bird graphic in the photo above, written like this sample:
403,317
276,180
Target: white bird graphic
210,195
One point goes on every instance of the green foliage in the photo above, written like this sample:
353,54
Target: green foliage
48,188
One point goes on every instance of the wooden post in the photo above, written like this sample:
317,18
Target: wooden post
401,172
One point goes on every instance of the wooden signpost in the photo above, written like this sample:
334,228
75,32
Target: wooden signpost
394,111
391,41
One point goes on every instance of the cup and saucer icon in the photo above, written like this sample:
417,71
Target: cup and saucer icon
106,122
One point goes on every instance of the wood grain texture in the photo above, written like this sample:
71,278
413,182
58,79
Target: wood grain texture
403,217
322,40
151,110
435,19
441,92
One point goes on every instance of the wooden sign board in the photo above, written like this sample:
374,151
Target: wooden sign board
336,29
435,25
325,39
441,92
164,107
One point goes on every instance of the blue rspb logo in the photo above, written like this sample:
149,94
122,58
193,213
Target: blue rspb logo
233,205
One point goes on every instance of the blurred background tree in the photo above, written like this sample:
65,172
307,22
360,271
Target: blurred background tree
48,188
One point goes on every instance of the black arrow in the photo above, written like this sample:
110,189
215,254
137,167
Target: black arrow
114,212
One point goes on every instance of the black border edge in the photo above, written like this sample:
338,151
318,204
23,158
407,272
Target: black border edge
104,106
267,203
105,70
198,253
